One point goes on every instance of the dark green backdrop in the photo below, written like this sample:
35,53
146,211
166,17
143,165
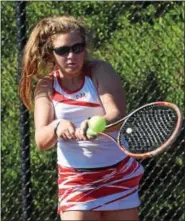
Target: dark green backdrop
144,41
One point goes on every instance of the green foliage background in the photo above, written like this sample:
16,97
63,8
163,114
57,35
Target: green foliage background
144,41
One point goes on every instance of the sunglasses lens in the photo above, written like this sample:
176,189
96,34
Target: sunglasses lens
77,48
62,50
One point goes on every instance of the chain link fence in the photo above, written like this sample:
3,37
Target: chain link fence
144,41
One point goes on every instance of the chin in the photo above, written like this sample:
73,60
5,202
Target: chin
73,73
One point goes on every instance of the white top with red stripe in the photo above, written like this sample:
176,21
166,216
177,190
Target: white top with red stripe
76,107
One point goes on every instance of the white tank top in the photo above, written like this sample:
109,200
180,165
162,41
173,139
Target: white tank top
76,107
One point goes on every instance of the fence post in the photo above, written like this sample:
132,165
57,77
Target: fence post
24,120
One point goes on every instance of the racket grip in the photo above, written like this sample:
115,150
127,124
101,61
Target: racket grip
90,132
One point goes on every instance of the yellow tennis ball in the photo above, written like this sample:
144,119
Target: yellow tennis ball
90,132
97,124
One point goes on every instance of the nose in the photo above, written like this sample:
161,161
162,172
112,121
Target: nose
70,54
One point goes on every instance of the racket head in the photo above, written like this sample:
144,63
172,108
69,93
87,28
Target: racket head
150,129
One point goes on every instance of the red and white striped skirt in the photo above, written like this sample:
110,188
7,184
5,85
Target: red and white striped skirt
112,188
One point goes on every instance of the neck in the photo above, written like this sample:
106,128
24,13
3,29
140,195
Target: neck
71,82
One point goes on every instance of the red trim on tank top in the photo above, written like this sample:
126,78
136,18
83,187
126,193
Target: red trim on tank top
89,75
56,96
64,89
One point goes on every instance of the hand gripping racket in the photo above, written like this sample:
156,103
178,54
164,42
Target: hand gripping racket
149,130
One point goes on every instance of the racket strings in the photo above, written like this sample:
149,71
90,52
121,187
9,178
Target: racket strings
149,128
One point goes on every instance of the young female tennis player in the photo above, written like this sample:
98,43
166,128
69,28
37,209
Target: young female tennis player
96,180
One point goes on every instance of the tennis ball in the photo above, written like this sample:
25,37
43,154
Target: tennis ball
90,132
97,124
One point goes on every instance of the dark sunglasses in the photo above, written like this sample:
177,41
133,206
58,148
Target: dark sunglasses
64,50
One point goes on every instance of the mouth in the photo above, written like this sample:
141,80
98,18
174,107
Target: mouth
71,64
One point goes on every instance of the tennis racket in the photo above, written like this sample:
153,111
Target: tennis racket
149,130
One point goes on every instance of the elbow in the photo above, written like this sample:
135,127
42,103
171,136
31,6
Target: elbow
39,143
41,146
44,142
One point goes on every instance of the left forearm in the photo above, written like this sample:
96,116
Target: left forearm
111,118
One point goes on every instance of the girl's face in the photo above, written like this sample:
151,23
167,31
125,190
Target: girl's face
69,53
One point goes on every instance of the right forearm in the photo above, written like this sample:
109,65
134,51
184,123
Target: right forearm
45,136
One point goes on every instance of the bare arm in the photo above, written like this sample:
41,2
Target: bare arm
44,116
110,91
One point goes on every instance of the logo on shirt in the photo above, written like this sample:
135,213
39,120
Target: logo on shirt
78,96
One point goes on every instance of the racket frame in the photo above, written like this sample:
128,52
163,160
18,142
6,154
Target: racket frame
162,147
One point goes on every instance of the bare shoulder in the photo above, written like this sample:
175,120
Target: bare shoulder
43,88
110,90
101,69
96,64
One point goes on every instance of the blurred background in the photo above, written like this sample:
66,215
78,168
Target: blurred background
144,42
